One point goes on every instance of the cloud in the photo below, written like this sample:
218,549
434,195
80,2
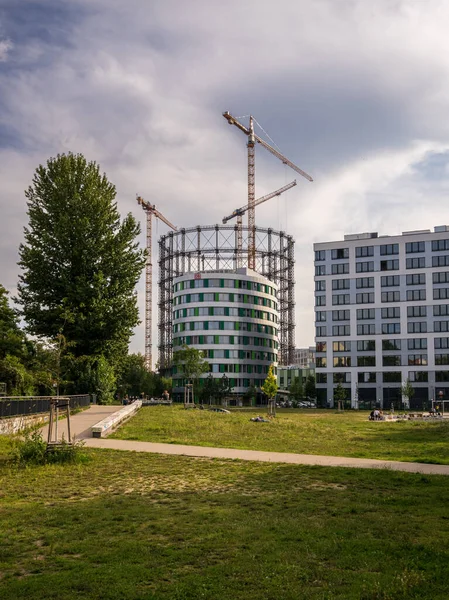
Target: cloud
356,93
5,47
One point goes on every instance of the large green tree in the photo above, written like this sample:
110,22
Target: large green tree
80,262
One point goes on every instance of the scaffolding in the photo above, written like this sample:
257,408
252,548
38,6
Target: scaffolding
214,248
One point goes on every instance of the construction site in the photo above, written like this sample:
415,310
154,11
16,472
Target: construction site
230,254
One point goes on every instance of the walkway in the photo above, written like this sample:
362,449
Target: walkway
82,422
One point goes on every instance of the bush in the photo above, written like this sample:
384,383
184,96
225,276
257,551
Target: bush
32,450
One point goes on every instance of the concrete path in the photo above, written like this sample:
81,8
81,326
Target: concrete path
277,457
82,422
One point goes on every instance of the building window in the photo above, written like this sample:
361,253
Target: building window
389,265
441,326
415,263
321,362
414,295
339,253
366,377
418,376
442,277
417,344
342,361
321,346
389,345
391,377
320,286
416,311
338,330
363,251
366,346
340,299
440,261
341,284
388,328
441,294
390,296
366,329
417,327
341,346
439,245
441,310
321,377
340,315
416,279
320,315
441,376
365,313
320,270
340,269
364,298
320,255
364,282
389,281
342,377
321,331
417,359
389,249
391,312
442,359
415,247
441,343
320,300
364,267
391,361
366,361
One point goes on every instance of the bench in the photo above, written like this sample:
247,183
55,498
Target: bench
107,425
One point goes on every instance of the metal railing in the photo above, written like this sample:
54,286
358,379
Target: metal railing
11,406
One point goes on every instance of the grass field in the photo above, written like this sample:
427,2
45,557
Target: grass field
310,432
149,527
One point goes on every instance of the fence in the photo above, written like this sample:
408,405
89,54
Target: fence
12,406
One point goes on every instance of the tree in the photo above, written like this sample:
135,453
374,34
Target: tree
310,387
223,388
296,390
251,394
270,388
80,263
340,395
190,362
407,392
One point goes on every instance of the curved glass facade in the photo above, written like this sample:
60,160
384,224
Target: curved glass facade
232,316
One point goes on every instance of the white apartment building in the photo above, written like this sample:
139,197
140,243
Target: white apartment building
382,317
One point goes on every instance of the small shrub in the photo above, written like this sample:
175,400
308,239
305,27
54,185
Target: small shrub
32,450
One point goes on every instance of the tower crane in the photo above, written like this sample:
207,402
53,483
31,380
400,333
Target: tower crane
251,143
151,211
239,212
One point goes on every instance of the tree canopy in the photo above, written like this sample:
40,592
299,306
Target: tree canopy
80,262
190,362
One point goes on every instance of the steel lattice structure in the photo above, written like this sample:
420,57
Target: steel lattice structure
213,248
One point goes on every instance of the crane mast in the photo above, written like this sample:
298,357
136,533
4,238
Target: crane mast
251,143
150,210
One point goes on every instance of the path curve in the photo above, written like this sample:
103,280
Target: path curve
275,457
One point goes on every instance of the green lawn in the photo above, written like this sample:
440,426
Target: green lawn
310,432
150,527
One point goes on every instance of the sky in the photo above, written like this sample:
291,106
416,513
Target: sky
354,92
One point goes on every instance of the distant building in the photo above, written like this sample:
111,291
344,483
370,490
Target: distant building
382,317
232,316
304,357
286,376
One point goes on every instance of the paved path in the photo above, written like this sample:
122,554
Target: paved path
82,422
